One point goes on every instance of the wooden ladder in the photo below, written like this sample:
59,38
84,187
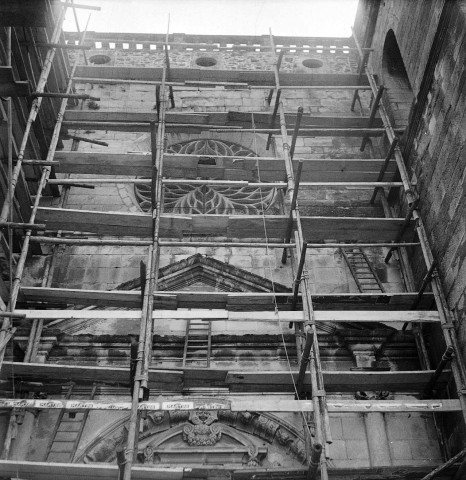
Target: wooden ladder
197,343
67,432
361,268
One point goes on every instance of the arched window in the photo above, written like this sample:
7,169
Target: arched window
396,80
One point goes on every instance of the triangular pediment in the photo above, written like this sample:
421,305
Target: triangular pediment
200,272
195,273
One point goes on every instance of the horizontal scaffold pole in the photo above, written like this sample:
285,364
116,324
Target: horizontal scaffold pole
162,243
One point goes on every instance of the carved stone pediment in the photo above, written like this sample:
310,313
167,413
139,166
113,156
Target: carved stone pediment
223,437
212,274
201,440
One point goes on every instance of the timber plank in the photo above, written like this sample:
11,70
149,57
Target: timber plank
360,316
236,381
264,120
370,301
232,118
334,381
186,166
243,301
265,78
86,374
140,224
76,471
313,131
234,226
351,228
131,299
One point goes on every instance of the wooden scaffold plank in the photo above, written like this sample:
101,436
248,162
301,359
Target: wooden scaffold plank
232,226
226,168
244,381
386,316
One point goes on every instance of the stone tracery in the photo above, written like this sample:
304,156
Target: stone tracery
208,199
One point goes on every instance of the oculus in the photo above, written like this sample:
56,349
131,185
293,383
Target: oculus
312,63
99,59
206,61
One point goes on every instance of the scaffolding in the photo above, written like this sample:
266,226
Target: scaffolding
156,230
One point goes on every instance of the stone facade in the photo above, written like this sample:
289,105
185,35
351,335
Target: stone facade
252,439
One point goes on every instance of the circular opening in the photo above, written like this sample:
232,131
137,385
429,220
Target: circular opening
206,61
99,59
312,63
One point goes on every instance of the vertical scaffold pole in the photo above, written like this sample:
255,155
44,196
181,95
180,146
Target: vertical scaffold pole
140,388
42,183
34,111
309,327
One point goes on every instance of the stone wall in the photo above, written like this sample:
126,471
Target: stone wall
437,160
107,267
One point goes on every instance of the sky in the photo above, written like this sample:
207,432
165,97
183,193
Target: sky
312,18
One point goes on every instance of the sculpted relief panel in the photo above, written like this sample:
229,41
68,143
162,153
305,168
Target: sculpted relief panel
206,437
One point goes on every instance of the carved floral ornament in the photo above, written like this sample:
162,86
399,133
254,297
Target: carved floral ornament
211,199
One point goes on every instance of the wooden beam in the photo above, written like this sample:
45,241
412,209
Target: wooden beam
162,300
361,316
144,243
223,300
334,381
234,226
177,379
371,301
198,128
77,471
251,77
74,471
351,228
226,168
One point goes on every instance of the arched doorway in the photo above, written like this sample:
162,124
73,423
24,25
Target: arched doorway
395,79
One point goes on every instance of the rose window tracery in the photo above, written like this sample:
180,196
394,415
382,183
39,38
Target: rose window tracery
197,199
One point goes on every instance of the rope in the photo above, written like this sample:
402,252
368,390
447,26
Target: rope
272,280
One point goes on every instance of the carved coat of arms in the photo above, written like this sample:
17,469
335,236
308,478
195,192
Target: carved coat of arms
202,430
